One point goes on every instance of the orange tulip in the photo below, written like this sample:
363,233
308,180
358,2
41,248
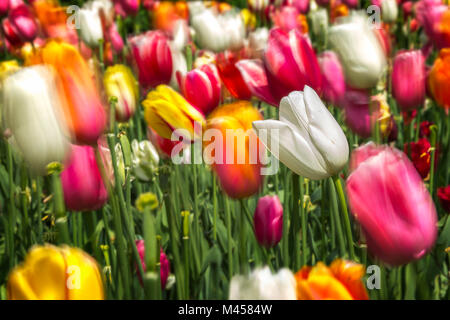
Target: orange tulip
83,110
439,79
167,12
340,281
238,168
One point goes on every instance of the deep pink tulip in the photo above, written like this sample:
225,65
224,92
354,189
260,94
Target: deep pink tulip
286,18
301,5
392,205
4,6
268,221
153,58
289,64
126,7
164,262
82,182
112,34
11,35
23,20
356,105
409,79
429,13
333,80
201,87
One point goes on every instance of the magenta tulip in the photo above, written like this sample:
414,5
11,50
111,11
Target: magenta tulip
201,87
22,19
391,203
164,262
4,6
429,14
289,64
356,105
82,182
301,5
409,79
268,221
126,7
153,58
333,81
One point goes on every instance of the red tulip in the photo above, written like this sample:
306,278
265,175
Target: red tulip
409,79
153,58
164,262
289,64
444,197
82,181
230,75
268,221
424,130
392,205
420,154
201,87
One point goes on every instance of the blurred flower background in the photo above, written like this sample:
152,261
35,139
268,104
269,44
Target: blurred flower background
118,179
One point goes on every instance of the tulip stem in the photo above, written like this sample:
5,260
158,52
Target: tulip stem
433,130
186,250
11,207
297,192
242,239
229,243
335,210
214,182
348,228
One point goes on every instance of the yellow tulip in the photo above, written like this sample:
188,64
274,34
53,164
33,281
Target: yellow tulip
120,83
56,273
8,67
166,110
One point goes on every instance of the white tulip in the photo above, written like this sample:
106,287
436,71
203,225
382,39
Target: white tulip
233,29
257,41
144,159
307,139
32,110
389,10
90,25
359,51
178,64
261,284
319,21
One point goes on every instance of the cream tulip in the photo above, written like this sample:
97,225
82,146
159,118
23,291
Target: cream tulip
32,107
307,139
359,51
144,159
90,25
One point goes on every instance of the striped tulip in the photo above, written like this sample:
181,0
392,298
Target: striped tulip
201,87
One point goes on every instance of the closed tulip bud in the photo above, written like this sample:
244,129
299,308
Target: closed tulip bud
238,165
201,87
262,284
268,221
257,41
163,261
333,80
56,273
84,112
23,21
289,64
439,79
90,25
166,110
389,10
444,198
409,79
389,200
82,182
307,139
119,82
319,22
32,113
359,51
144,159
342,280
153,58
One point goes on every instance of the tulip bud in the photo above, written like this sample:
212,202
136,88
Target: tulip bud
90,25
389,200
153,58
82,182
119,82
56,273
268,221
333,81
444,197
145,159
261,284
307,139
408,79
201,87
439,79
164,262
389,10
319,22
359,51
32,111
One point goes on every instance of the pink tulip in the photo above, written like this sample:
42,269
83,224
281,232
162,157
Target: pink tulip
82,181
23,21
333,80
391,203
429,14
268,221
289,64
286,18
153,58
164,262
409,79
114,37
301,5
4,6
201,87
351,3
126,7
356,105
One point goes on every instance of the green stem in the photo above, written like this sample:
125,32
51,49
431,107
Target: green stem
335,211
229,244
